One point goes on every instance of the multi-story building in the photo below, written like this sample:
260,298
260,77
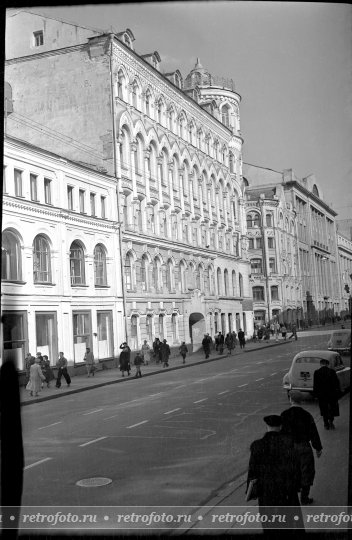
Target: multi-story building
60,263
175,149
344,249
272,244
316,240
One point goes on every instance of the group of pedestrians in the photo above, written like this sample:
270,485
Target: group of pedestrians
40,372
281,464
265,332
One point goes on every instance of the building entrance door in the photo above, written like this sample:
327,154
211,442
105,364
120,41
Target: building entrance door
196,330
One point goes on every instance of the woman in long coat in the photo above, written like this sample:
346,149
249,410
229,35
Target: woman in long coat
46,370
35,378
125,356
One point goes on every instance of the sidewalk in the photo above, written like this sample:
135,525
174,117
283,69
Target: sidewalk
330,488
104,377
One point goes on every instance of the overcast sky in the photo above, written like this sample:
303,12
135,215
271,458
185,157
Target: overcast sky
291,63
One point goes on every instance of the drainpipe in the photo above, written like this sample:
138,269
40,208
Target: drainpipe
111,37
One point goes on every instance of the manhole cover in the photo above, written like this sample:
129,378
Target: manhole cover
94,482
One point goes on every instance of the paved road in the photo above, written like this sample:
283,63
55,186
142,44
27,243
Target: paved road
171,439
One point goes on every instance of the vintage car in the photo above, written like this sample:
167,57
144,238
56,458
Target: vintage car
300,375
340,341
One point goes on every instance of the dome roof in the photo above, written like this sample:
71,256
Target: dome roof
198,76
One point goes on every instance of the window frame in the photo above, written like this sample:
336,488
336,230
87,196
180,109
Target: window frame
41,260
47,191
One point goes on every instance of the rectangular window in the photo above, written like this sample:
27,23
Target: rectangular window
272,266
105,334
256,266
38,38
47,191
92,204
271,242
174,327
33,186
70,197
258,294
274,293
251,243
81,334
18,182
4,180
81,200
134,323
46,335
102,206
259,243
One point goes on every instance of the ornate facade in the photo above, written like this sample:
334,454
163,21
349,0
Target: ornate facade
60,264
175,150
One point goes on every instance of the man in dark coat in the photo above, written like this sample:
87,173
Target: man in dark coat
274,465
300,424
125,357
241,338
206,342
326,388
165,353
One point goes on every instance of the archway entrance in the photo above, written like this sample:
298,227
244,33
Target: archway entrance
196,330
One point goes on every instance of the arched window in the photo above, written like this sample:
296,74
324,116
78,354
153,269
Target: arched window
191,276
11,263
225,115
253,220
144,273
129,272
219,284
125,149
233,283
174,227
155,274
77,270
121,82
162,223
183,273
100,265
240,284
41,260
135,94
269,220
148,100
198,277
226,282
153,162
169,275
139,156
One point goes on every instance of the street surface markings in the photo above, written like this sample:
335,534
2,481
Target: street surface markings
93,441
246,384
224,392
210,434
259,363
158,394
261,379
108,418
200,400
271,374
92,412
139,424
173,410
55,424
38,462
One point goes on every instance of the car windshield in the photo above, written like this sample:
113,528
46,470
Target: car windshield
308,360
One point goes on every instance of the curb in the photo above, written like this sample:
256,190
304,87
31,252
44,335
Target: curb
156,372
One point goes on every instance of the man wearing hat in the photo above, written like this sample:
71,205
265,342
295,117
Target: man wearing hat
300,424
273,464
326,387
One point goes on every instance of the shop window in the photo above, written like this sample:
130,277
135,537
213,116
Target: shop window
46,335
105,334
14,327
81,334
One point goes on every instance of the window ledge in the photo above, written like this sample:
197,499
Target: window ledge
41,283
18,282
78,285
102,286
20,197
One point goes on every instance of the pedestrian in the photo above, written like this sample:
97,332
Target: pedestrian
146,353
272,328
35,378
156,350
165,353
47,371
62,364
28,363
283,331
138,361
183,350
300,424
229,343
274,469
89,360
241,338
206,345
255,335
124,359
260,333
277,331
221,342
217,341
326,388
267,333
234,339
294,332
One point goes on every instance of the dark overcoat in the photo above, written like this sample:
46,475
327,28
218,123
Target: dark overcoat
326,387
